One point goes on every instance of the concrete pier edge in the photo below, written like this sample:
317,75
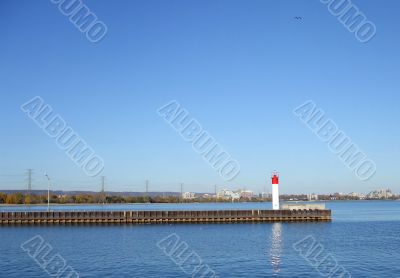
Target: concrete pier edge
168,216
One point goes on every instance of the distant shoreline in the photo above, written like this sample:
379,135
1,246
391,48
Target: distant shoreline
144,204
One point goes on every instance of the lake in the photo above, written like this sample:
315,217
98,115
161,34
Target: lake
361,241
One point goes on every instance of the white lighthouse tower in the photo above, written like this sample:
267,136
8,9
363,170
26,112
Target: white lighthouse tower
275,190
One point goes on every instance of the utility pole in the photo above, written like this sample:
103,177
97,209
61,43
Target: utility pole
181,193
147,188
30,171
102,183
103,196
215,191
48,192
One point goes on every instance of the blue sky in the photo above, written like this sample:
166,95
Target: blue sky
238,67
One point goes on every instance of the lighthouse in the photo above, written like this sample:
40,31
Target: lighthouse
275,190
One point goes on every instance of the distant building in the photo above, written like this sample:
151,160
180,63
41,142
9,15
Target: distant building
357,195
246,194
380,194
224,194
265,195
234,195
188,195
312,197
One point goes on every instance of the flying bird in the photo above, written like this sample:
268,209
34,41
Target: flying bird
298,18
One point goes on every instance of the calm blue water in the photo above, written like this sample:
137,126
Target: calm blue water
364,239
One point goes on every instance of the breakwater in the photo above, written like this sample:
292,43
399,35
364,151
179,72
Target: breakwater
177,216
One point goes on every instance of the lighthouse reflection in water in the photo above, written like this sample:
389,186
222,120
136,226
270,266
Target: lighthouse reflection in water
276,247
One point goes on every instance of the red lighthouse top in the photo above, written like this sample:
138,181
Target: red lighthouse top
275,177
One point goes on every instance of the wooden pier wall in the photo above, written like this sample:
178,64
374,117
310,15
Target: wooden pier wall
60,217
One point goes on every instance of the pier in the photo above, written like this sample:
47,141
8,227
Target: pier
176,216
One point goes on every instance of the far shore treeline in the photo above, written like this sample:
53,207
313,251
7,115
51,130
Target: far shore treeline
99,198
105,198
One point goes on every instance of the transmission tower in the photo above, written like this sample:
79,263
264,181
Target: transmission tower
29,173
103,178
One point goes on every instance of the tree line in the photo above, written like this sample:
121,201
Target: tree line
96,198
101,198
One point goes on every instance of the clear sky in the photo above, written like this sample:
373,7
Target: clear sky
238,67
